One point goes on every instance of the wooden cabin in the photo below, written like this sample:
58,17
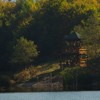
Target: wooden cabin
73,43
76,54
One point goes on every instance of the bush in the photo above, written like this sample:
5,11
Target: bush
24,52
77,78
23,76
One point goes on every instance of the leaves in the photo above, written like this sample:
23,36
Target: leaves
44,21
24,51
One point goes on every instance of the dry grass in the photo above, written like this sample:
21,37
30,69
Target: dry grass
34,71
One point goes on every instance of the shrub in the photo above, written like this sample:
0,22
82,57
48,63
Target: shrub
24,52
23,76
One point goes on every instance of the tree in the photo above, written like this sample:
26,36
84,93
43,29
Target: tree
7,18
55,19
24,51
90,31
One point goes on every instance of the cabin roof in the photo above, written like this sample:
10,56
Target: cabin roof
73,36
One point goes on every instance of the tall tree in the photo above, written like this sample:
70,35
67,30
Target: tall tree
90,31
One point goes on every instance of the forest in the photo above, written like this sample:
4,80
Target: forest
32,43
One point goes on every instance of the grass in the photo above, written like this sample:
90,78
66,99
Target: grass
34,71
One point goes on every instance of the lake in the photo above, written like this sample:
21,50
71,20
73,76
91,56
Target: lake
94,95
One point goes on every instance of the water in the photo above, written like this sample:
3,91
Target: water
51,96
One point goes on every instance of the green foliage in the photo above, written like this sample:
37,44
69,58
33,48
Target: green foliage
69,75
24,51
77,78
45,22
33,71
7,18
23,76
90,31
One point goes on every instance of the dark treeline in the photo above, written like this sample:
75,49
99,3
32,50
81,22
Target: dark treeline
40,27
